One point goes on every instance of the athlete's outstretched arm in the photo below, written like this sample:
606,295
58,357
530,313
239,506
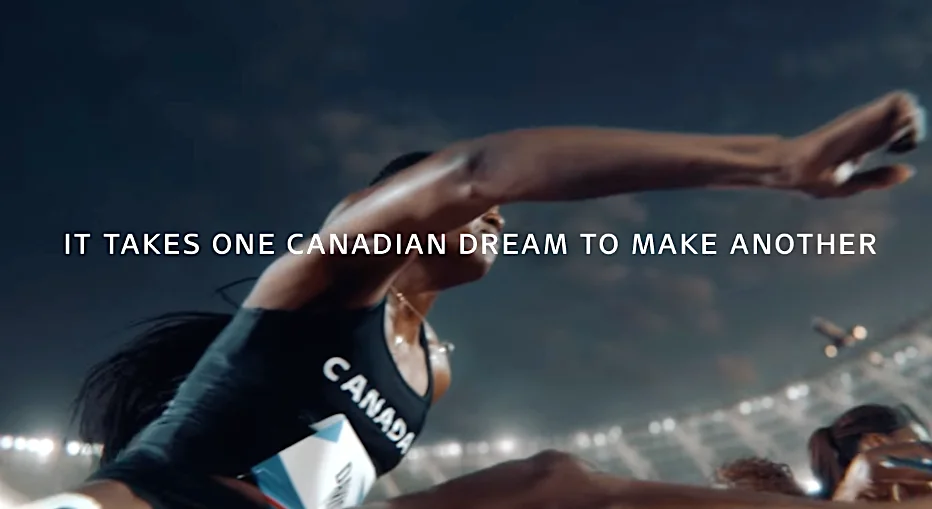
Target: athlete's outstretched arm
460,183
554,480
550,480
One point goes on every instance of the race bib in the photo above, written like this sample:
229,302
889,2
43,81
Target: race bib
327,470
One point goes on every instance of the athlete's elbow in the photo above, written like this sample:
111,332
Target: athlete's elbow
466,166
487,169
564,480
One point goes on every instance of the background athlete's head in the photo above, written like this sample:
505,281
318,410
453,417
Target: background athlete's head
833,448
434,272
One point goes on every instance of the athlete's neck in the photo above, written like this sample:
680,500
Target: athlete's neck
416,298
418,304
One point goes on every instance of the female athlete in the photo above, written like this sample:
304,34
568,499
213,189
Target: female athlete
871,452
323,379
858,456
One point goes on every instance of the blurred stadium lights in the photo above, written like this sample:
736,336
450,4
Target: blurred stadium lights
506,445
809,484
859,332
599,439
676,448
798,391
44,446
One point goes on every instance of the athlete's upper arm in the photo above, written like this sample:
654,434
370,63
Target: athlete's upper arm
436,195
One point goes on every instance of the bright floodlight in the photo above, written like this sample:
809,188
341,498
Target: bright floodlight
583,441
812,486
73,448
745,407
454,449
6,442
831,351
599,439
614,433
19,443
506,445
654,428
669,424
797,391
45,447
859,332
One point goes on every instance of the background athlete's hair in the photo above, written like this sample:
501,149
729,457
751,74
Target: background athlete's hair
124,393
758,474
834,447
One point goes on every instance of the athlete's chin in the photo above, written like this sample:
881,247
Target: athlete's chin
465,270
478,265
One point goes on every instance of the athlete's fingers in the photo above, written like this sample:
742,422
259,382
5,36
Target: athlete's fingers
877,178
892,118
911,136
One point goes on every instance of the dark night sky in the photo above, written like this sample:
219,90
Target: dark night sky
258,116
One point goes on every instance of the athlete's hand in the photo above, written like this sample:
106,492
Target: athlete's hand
872,476
825,163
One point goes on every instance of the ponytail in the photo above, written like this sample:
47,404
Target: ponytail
127,391
823,460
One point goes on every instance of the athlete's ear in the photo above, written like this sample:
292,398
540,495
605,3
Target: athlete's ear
872,440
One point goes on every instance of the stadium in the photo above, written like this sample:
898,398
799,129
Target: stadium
679,448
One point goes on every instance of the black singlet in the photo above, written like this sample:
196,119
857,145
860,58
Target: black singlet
262,385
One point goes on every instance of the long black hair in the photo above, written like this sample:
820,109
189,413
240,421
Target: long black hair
398,164
128,390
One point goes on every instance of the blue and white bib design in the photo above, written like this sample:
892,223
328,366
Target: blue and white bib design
327,470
